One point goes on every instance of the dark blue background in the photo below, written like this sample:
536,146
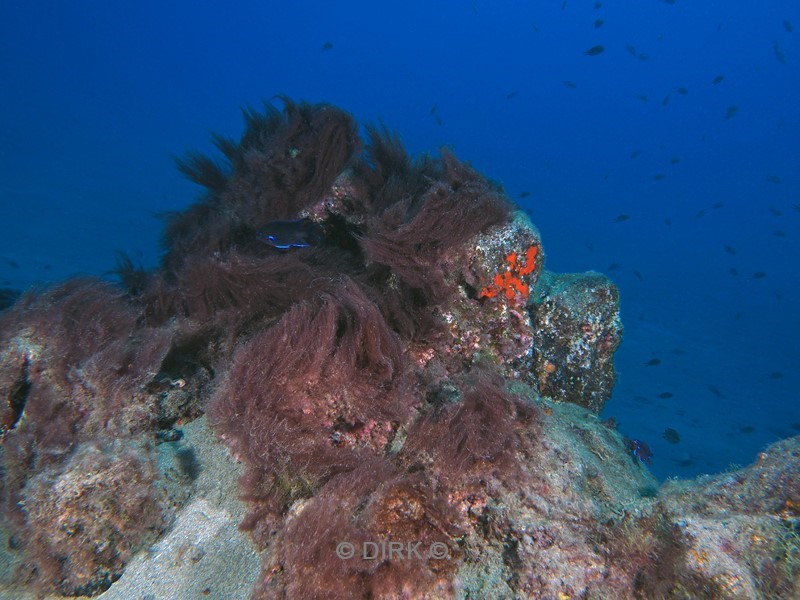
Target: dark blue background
96,96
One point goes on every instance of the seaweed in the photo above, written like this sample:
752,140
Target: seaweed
364,510
412,235
75,363
388,174
468,441
284,162
329,365
134,279
203,171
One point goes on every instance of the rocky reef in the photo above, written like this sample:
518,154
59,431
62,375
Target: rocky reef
358,358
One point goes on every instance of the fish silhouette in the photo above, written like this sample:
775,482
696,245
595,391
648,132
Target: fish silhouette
297,233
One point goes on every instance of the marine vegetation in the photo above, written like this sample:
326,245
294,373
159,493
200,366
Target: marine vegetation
376,341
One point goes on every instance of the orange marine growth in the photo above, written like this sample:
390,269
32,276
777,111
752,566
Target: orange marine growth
509,282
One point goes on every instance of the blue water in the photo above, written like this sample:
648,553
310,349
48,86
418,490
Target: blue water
95,97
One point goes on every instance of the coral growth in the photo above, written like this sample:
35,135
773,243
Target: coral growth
510,283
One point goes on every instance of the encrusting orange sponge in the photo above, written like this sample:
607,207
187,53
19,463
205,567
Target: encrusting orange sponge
510,281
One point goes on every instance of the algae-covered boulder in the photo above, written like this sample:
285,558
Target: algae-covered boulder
404,402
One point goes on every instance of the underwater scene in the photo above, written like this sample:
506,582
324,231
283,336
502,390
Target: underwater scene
409,300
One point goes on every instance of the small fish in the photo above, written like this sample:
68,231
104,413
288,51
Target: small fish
734,271
665,395
746,429
675,160
700,214
715,390
433,110
622,218
640,450
631,50
787,25
642,97
682,91
327,46
779,53
635,153
730,250
718,79
665,100
672,436
524,194
717,205
570,84
598,23
773,179
759,275
731,111
638,275
511,95
779,233
653,362
595,50
283,235
776,212
776,375
659,177
613,267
